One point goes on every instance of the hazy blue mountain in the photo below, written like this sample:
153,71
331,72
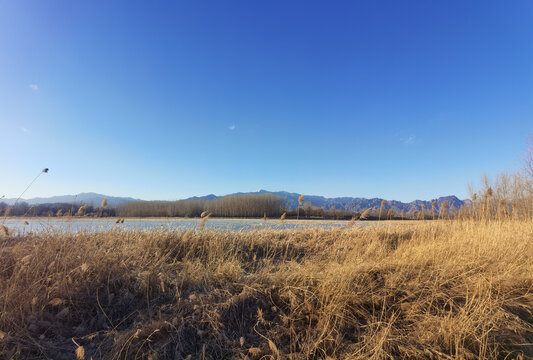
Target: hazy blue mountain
85,198
291,201
353,203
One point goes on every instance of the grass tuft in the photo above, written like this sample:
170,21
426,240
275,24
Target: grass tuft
432,289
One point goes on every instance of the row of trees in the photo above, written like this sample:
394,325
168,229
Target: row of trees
183,208
259,205
508,196
248,205
55,209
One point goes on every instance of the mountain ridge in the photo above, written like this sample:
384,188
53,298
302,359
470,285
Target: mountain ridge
291,201
90,198
349,203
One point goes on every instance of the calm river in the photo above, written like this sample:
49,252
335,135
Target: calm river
41,225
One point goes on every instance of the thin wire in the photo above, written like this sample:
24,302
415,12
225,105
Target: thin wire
41,172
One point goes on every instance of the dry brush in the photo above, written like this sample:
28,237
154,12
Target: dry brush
435,290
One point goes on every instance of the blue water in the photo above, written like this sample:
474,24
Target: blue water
40,225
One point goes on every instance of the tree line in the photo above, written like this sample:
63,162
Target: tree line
510,195
246,205
55,209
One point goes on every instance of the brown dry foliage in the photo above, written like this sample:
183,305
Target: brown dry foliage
439,290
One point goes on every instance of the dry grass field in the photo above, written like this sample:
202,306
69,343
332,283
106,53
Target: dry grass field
458,289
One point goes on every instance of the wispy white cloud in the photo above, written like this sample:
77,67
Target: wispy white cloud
409,140
23,129
231,127
34,87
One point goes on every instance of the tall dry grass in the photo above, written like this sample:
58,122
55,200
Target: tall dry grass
434,290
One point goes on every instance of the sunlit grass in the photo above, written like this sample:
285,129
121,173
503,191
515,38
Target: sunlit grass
432,289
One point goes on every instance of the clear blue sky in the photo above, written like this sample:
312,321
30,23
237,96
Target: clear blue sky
164,100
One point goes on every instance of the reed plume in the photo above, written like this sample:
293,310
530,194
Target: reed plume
351,223
416,286
80,351
300,201
364,214
502,208
81,210
282,218
202,222
102,207
383,202
443,209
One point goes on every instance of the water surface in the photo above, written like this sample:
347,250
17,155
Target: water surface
73,225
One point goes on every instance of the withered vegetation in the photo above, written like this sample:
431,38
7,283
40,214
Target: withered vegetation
432,290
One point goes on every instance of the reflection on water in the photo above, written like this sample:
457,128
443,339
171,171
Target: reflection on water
41,225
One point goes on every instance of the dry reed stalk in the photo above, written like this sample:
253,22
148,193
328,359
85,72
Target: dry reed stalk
102,207
501,209
443,209
383,202
80,353
215,288
364,214
81,210
202,222
300,201
351,223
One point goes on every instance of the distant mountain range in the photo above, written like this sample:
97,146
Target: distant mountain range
291,201
92,199
352,203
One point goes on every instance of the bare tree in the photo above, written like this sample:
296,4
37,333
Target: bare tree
528,161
